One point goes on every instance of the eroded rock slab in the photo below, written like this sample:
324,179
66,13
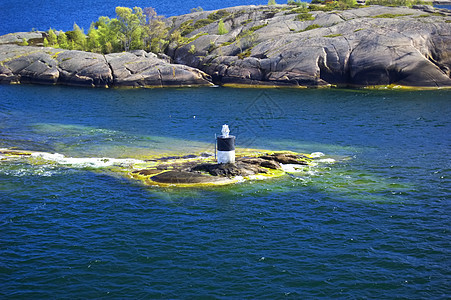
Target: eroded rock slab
29,64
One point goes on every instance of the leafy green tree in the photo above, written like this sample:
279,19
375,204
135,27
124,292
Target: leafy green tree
77,38
158,32
130,22
108,34
62,40
221,28
93,42
52,38
272,2
45,42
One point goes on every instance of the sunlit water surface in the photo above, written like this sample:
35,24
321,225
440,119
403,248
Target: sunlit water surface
373,225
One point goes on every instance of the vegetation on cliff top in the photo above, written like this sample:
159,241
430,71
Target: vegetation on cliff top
144,29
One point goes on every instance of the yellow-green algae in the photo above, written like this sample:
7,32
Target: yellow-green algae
144,169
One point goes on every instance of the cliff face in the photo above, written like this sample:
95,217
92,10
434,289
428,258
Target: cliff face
359,47
274,45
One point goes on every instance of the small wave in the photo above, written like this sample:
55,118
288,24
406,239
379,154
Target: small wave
317,154
85,162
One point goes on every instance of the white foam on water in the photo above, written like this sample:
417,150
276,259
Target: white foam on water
317,154
85,162
290,168
239,179
327,161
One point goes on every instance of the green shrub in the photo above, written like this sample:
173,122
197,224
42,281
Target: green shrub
272,2
192,49
221,28
186,27
196,9
299,3
24,42
304,17
325,8
220,14
245,54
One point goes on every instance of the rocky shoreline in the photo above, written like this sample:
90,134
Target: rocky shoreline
264,46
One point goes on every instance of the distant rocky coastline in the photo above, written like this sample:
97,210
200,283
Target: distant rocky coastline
263,46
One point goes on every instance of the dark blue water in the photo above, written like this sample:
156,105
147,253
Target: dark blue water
374,225
25,15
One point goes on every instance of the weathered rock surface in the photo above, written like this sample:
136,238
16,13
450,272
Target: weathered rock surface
265,45
29,64
357,47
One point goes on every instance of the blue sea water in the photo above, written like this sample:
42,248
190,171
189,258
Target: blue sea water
25,15
374,225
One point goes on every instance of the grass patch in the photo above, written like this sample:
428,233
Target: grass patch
304,17
311,27
244,23
390,16
186,27
333,35
226,44
202,22
448,21
255,28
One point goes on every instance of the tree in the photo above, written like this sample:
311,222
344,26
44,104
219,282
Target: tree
62,40
108,34
272,2
130,22
93,43
52,38
221,28
77,38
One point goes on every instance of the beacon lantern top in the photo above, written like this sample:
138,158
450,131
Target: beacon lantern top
225,130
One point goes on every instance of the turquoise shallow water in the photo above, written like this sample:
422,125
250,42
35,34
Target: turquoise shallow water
374,225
